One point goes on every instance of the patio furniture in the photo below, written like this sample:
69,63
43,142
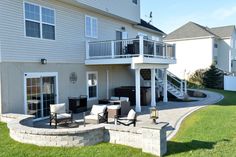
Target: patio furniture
58,114
113,111
97,115
123,102
127,121
78,104
129,91
125,105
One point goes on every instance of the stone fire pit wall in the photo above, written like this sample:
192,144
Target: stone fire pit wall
150,140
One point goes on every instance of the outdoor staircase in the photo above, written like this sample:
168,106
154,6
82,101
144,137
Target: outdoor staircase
175,85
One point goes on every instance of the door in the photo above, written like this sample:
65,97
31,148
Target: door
41,91
118,44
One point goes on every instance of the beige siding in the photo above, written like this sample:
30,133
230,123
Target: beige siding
13,81
69,46
121,8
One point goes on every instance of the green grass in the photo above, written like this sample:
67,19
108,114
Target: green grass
10,148
208,132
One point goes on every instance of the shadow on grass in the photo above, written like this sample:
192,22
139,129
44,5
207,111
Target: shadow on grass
180,147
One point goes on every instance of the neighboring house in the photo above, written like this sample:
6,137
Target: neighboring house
197,47
52,50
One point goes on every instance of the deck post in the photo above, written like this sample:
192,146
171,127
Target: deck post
153,87
137,90
112,49
141,49
87,49
155,49
165,96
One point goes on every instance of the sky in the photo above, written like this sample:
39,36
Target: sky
168,15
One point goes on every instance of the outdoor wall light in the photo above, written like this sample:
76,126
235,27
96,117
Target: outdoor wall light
123,28
43,61
154,114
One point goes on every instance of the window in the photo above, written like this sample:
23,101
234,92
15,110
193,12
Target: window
39,22
92,85
32,20
91,27
216,46
135,1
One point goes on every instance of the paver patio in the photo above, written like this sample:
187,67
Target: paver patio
171,112
175,112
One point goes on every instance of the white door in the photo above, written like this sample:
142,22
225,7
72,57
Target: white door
40,91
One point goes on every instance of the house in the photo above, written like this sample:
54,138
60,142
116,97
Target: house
52,50
197,47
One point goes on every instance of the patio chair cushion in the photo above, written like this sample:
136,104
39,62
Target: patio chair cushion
58,108
131,114
91,117
124,99
114,107
98,109
114,98
63,116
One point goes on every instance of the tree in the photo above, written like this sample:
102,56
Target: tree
213,78
197,77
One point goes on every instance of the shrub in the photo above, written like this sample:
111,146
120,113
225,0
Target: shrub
197,77
211,77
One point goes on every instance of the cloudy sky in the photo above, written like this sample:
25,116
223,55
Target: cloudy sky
168,15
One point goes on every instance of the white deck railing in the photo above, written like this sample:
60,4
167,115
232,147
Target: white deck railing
129,48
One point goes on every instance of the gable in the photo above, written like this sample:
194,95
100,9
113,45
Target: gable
189,30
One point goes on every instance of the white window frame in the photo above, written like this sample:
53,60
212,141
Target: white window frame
91,25
87,77
40,21
39,75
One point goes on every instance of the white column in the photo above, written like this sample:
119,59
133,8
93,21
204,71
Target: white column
137,90
87,49
112,49
141,48
108,88
153,87
165,97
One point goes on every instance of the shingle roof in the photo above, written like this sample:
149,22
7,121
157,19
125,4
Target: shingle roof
223,32
190,30
149,26
194,30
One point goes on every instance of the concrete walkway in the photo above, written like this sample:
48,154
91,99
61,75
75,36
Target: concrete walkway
175,112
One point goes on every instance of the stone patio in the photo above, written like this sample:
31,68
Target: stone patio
151,138
172,113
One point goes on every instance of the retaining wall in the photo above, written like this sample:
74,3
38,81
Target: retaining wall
151,140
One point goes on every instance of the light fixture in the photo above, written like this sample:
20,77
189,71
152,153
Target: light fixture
154,114
43,61
123,28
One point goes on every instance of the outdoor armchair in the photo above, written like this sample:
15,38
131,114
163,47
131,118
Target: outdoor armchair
98,114
127,121
58,114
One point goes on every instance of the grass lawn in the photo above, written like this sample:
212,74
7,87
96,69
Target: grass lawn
10,148
210,131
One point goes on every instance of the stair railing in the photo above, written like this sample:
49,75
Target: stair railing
174,81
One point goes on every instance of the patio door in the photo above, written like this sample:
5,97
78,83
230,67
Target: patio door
40,92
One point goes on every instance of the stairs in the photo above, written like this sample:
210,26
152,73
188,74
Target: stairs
175,86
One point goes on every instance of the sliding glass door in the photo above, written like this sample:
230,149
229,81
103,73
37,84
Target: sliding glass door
41,91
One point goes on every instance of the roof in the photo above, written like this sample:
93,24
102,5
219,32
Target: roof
194,30
190,30
224,31
149,26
